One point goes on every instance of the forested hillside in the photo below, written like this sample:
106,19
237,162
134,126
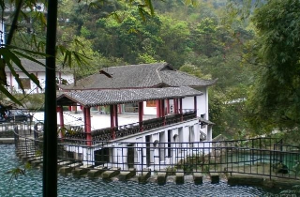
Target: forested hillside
212,39
200,38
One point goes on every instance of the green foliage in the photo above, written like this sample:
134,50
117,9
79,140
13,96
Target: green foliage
294,191
171,170
174,35
32,101
191,35
274,99
18,171
15,173
193,70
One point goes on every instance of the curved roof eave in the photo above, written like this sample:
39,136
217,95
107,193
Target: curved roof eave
108,97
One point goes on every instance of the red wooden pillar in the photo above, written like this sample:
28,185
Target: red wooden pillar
87,125
180,105
120,108
112,121
168,106
141,113
116,115
163,111
195,105
162,108
176,106
61,120
157,108
61,116
74,108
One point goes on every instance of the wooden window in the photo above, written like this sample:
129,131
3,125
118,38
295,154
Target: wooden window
131,107
150,103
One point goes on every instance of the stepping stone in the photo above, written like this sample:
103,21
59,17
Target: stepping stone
65,170
111,173
37,162
162,178
96,172
198,178
63,163
144,175
125,175
34,158
179,178
215,178
74,165
81,170
86,166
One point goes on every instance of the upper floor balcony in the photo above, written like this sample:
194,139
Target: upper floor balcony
77,134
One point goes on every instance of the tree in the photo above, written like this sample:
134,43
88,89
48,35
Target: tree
175,35
274,99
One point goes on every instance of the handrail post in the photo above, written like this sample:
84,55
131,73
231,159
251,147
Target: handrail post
270,176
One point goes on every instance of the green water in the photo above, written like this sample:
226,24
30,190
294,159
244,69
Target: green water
31,185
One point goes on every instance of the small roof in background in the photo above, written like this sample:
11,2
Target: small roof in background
205,122
31,66
138,76
91,98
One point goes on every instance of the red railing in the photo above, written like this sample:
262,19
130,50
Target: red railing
107,134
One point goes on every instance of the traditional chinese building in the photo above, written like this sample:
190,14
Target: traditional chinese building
178,101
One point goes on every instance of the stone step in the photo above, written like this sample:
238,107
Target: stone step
79,171
198,178
97,171
179,179
29,160
63,163
144,175
64,170
125,175
74,165
215,178
162,178
111,173
38,162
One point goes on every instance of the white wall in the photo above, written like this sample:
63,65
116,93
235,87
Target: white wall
187,103
181,132
14,86
202,103
149,110
2,34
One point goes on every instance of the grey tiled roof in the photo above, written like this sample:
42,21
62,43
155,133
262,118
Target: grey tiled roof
107,97
31,66
139,76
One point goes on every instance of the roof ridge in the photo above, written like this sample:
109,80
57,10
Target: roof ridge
158,75
135,65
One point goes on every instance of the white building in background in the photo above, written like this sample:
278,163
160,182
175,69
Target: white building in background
2,33
63,76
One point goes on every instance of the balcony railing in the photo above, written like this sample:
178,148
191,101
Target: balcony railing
107,134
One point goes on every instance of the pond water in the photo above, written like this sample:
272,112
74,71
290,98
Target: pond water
31,185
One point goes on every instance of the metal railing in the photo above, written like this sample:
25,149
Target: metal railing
252,156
